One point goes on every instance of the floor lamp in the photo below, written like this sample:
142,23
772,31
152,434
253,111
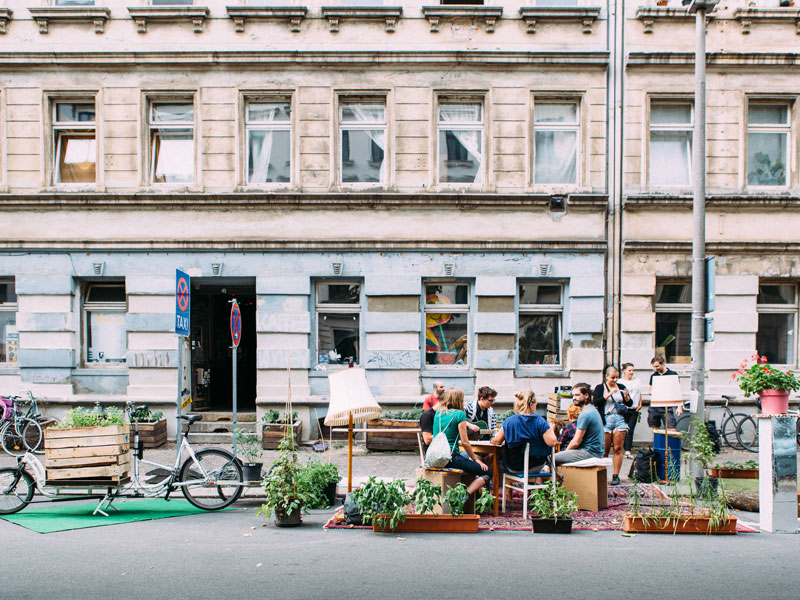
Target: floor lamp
350,400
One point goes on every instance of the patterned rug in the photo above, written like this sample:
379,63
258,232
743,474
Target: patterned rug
609,518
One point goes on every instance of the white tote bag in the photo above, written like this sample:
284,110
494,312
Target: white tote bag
440,452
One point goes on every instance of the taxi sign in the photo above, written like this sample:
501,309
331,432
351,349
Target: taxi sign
182,302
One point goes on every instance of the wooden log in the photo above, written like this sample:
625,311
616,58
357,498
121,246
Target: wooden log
743,501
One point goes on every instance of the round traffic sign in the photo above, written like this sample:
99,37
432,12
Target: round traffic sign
236,324
183,294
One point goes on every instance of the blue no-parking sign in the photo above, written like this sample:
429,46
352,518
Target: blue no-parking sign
182,304
236,324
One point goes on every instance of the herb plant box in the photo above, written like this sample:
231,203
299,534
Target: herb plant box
734,473
434,524
152,435
681,524
87,454
539,525
272,434
392,440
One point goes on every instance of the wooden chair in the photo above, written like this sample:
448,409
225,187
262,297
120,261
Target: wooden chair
522,481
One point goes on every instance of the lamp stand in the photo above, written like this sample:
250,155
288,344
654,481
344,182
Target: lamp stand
350,453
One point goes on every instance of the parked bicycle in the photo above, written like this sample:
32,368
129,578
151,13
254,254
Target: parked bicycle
210,478
729,431
21,430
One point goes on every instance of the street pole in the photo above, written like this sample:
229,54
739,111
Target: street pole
699,8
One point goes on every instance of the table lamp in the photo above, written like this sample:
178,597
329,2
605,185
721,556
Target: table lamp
350,399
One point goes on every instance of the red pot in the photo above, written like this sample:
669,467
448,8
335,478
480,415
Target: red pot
774,402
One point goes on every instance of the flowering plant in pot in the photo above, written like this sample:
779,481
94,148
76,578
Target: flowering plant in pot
770,383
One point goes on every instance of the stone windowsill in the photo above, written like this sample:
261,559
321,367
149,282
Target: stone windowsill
746,16
586,15
388,14
9,369
143,14
489,15
293,14
5,17
44,15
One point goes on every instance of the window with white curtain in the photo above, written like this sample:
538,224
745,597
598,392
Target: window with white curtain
670,160
338,308
460,132
767,144
74,142
9,337
105,331
777,320
362,142
171,142
269,141
555,137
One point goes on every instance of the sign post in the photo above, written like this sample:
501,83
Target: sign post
182,322
236,337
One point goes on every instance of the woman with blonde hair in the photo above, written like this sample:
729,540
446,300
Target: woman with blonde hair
452,420
525,427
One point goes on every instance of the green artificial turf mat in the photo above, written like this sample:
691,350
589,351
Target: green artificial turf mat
49,518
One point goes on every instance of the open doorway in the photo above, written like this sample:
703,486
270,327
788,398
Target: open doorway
211,344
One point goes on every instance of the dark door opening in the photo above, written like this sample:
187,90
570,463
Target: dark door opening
211,344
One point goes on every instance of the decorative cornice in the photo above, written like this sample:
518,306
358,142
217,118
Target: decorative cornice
746,17
260,58
430,201
5,17
388,14
685,247
585,15
293,14
719,59
488,14
648,15
44,15
143,14
766,203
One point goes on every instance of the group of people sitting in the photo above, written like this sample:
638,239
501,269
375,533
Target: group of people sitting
600,420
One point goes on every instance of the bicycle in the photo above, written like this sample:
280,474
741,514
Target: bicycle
210,479
729,432
21,431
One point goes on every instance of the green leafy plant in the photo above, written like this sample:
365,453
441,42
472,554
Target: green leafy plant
384,502
737,466
553,501
413,414
273,416
426,496
315,477
146,416
97,417
284,490
456,497
248,445
485,502
700,446
763,172
760,376
505,415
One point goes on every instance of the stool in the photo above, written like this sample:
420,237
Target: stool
589,483
444,478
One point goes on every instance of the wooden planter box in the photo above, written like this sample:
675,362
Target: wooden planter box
392,440
272,434
87,454
434,524
686,524
734,473
152,435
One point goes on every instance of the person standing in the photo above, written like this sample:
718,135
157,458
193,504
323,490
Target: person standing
433,400
611,400
634,387
588,441
656,415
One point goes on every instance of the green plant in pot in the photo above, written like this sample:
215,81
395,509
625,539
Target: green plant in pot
701,448
286,495
554,506
320,478
248,446
384,502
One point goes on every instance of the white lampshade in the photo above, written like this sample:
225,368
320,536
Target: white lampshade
350,395
666,391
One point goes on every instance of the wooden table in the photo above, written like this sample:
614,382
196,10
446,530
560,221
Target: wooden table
486,447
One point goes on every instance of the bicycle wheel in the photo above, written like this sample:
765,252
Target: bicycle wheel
21,436
747,434
729,428
33,436
223,485
16,490
682,424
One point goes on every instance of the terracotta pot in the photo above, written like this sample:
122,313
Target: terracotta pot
774,402
434,524
689,524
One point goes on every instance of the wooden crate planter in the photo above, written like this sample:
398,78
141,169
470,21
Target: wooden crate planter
434,524
272,434
554,411
87,454
392,440
684,524
152,435
734,473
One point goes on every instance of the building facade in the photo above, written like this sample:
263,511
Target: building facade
483,194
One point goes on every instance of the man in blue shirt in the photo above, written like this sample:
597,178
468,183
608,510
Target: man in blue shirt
589,440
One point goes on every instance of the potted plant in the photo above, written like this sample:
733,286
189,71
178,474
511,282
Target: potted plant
701,448
88,444
734,470
285,494
248,447
320,478
151,427
394,440
554,506
273,425
770,383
